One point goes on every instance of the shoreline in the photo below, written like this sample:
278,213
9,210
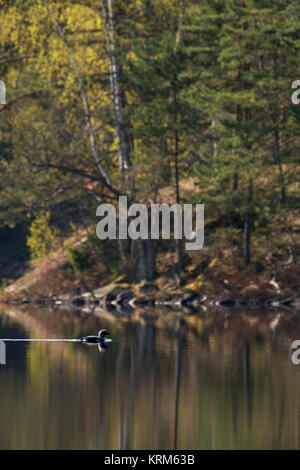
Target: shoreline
126,299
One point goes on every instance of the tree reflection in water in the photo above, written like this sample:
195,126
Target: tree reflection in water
168,380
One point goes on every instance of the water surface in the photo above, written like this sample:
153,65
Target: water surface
211,380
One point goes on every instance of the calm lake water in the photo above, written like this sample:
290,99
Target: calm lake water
211,380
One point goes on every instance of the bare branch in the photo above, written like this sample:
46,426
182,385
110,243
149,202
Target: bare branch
75,171
15,100
15,59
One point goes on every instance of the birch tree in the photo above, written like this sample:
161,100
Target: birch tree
109,32
105,177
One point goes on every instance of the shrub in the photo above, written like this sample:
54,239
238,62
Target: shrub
5,283
77,259
41,235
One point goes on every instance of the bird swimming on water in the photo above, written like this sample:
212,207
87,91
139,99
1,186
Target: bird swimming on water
96,339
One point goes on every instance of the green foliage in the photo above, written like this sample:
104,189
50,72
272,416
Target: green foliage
77,259
217,74
95,256
42,235
5,283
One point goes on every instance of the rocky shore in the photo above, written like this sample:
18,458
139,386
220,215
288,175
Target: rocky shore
126,300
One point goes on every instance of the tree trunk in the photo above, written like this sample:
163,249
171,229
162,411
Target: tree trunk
123,139
145,260
277,156
176,152
180,338
247,226
214,137
150,249
176,140
123,257
235,182
86,106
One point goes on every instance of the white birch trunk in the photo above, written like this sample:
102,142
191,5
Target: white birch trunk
109,31
85,101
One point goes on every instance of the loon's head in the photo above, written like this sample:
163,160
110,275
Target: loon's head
102,334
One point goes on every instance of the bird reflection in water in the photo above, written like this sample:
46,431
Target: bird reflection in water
100,340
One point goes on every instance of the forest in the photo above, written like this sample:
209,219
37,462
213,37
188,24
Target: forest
164,101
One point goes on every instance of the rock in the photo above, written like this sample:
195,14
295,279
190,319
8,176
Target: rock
86,296
108,298
199,300
124,297
250,290
108,293
163,282
227,302
145,300
66,297
286,301
124,309
147,288
103,291
77,301
188,298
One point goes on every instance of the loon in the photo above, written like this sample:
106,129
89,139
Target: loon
96,339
